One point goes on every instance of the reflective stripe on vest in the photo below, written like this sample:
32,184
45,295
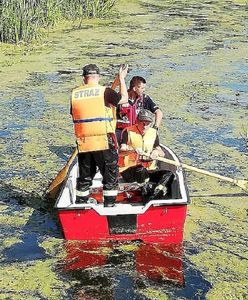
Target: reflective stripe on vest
92,120
135,141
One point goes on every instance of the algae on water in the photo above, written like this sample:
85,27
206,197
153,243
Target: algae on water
193,56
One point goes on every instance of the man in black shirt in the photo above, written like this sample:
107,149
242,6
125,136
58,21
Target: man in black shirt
137,99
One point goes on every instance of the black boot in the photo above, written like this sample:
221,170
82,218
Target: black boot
81,200
82,191
109,201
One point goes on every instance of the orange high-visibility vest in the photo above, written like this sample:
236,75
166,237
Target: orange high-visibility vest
135,141
92,119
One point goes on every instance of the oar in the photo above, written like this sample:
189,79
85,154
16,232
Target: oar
53,188
243,184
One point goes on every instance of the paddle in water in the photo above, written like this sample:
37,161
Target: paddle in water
54,187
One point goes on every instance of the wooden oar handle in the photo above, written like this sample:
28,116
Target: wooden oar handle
239,182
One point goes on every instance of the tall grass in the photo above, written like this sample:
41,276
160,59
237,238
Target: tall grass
22,20
77,9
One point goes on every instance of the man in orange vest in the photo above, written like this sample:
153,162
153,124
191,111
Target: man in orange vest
93,109
143,138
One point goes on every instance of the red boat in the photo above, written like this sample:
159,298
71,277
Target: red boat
157,221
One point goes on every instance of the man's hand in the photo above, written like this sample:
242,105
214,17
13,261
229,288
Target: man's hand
154,154
125,150
123,71
139,151
124,147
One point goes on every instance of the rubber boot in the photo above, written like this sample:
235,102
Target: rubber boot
109,201
81,200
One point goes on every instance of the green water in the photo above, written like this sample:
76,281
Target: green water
194,57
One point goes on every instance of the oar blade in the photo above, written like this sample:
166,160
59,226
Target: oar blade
54,188
53,193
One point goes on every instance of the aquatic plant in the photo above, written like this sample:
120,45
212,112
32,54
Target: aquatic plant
244,136
79,9
23,20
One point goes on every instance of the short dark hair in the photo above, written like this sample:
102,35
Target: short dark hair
90,69
136,80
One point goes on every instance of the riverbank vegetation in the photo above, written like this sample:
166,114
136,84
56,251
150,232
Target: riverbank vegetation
27,20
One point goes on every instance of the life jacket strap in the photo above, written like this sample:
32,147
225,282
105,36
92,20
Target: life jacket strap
92,120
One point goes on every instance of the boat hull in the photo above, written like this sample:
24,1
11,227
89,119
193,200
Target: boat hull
132,218
162,224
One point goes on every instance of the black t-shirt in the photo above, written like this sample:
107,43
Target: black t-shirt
124,139
147,103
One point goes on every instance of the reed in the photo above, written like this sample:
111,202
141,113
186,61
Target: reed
22,20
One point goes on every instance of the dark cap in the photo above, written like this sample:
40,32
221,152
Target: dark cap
145,115
90,69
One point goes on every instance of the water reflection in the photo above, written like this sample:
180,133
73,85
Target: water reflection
121,271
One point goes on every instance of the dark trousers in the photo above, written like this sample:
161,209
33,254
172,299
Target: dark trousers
118,133
152,177
106,161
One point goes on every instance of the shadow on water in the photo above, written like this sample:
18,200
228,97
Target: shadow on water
40,224
63,152
27,250
131,271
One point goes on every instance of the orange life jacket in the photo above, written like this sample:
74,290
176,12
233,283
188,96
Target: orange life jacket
136,140
92,119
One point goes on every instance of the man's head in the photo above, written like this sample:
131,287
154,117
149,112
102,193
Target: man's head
137,85
91,73
145,119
